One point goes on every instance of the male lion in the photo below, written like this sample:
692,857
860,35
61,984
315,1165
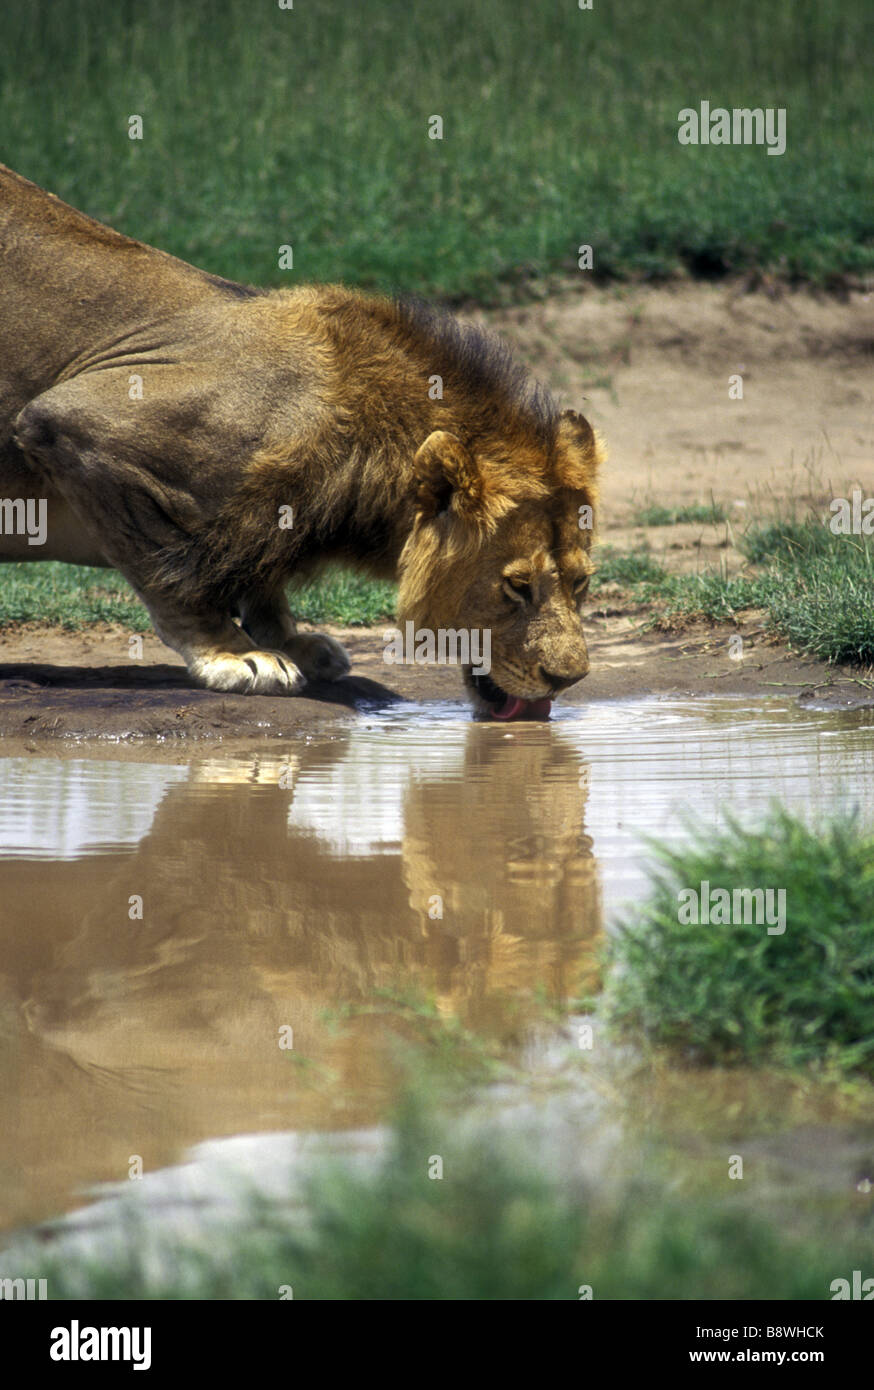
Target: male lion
175,423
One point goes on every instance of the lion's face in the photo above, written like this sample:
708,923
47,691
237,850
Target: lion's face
502,549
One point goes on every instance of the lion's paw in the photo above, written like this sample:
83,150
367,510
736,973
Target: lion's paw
253,673
321,658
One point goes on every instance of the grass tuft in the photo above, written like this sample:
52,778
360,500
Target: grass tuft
815,588
626,568
821,594
734,993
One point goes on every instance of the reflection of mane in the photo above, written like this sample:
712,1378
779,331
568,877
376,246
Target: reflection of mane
505,852
144,1036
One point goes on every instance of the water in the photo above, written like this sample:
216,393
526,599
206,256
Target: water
164,925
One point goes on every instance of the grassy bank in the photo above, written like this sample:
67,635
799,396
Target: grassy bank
308,127
734,991
816,588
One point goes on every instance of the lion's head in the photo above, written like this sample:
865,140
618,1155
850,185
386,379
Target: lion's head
500,545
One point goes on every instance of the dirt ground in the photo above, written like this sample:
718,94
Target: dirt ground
82,686
650,367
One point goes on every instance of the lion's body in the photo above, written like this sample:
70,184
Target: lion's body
213,442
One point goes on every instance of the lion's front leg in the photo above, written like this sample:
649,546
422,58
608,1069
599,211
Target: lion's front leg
269,622
132,513
222,656
254,672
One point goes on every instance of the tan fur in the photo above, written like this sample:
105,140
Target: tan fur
315,399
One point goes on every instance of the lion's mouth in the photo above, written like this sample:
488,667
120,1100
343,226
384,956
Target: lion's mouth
504,706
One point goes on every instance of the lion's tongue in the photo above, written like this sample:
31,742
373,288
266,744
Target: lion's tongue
513,707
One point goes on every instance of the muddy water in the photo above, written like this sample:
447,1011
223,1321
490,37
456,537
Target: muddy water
165,924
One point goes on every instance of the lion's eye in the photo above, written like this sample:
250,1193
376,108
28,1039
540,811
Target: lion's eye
518,591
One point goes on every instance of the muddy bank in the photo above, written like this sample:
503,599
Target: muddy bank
68,685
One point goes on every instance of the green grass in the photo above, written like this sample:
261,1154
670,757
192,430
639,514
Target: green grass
68,596
625,567
342,597
709,594
494,1227
788,541
816,588
821,588
72,597
734,993
308,127
829,610
706,513
678,597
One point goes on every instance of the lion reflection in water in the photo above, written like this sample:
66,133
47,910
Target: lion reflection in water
147,1035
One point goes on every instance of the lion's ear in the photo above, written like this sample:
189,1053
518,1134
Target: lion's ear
580,452
446,475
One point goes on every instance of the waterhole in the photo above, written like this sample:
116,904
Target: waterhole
236,942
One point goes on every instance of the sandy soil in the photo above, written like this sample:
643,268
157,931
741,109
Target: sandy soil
650,367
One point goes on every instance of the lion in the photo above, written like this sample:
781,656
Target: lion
216,442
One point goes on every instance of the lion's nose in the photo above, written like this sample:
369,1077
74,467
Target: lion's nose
562,682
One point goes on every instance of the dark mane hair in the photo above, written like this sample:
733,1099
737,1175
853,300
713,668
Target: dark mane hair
481,360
